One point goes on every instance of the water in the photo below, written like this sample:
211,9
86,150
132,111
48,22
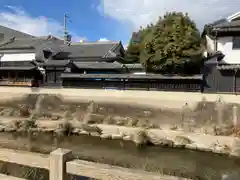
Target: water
178,162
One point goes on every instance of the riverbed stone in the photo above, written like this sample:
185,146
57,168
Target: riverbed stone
117,136
222,149
94,134
84,132
200,147
182,141
49,129
127,138
91,128
2,128
235,151
161,140
75,130
231,176
9,129
166,142
140,137
106,136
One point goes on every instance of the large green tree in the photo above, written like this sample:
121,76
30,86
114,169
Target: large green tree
172,45
136,46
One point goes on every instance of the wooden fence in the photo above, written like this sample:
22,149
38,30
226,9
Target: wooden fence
60,162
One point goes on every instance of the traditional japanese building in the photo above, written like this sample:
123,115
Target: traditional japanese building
84,58
222,64
26,60
20,58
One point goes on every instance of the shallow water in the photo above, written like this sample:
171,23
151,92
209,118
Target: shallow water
179,162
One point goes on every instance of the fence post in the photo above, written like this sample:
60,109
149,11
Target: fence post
235,116
58,159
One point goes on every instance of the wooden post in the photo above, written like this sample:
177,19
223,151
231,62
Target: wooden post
235,116
220,108
235,81
58,159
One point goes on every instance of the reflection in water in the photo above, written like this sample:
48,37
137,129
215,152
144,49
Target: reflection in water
178,162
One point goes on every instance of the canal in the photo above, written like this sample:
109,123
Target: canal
177,162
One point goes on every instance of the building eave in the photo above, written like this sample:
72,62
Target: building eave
233,16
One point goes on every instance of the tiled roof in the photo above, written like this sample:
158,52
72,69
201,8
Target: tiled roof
24,43
56,63
98,65
92,59
218,22
134,66
228,26
23,68
88,49
21,43
214,57
209,28
10,33
128,76
229,67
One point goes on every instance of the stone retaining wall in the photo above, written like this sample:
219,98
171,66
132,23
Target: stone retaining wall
203,115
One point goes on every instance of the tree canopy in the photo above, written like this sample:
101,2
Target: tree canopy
136,44
169,45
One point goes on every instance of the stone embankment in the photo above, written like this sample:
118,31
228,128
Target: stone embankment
141,136
180,120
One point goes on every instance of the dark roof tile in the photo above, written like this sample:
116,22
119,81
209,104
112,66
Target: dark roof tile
10,33
134,66
21,43
56,63
13,68
228,26
98,65
229,67
93,59
97,49
25,43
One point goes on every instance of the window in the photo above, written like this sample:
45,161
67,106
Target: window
236,42
50,77
58,74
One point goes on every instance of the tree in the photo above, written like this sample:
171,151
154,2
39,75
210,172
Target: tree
174,42
136,44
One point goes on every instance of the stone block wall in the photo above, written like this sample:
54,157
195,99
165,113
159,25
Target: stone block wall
188,112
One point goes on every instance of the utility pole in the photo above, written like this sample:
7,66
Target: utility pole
66,35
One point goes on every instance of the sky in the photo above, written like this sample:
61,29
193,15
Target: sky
104,20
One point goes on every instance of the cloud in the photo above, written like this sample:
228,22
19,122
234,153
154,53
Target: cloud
141,12
103,39
16,18
76,38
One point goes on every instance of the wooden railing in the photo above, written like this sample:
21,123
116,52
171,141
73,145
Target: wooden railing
60,162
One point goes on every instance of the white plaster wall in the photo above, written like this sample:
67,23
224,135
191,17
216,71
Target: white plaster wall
232,56
224,44
18,57
209,44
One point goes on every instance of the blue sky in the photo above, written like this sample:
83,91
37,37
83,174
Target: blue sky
104,19
87,19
